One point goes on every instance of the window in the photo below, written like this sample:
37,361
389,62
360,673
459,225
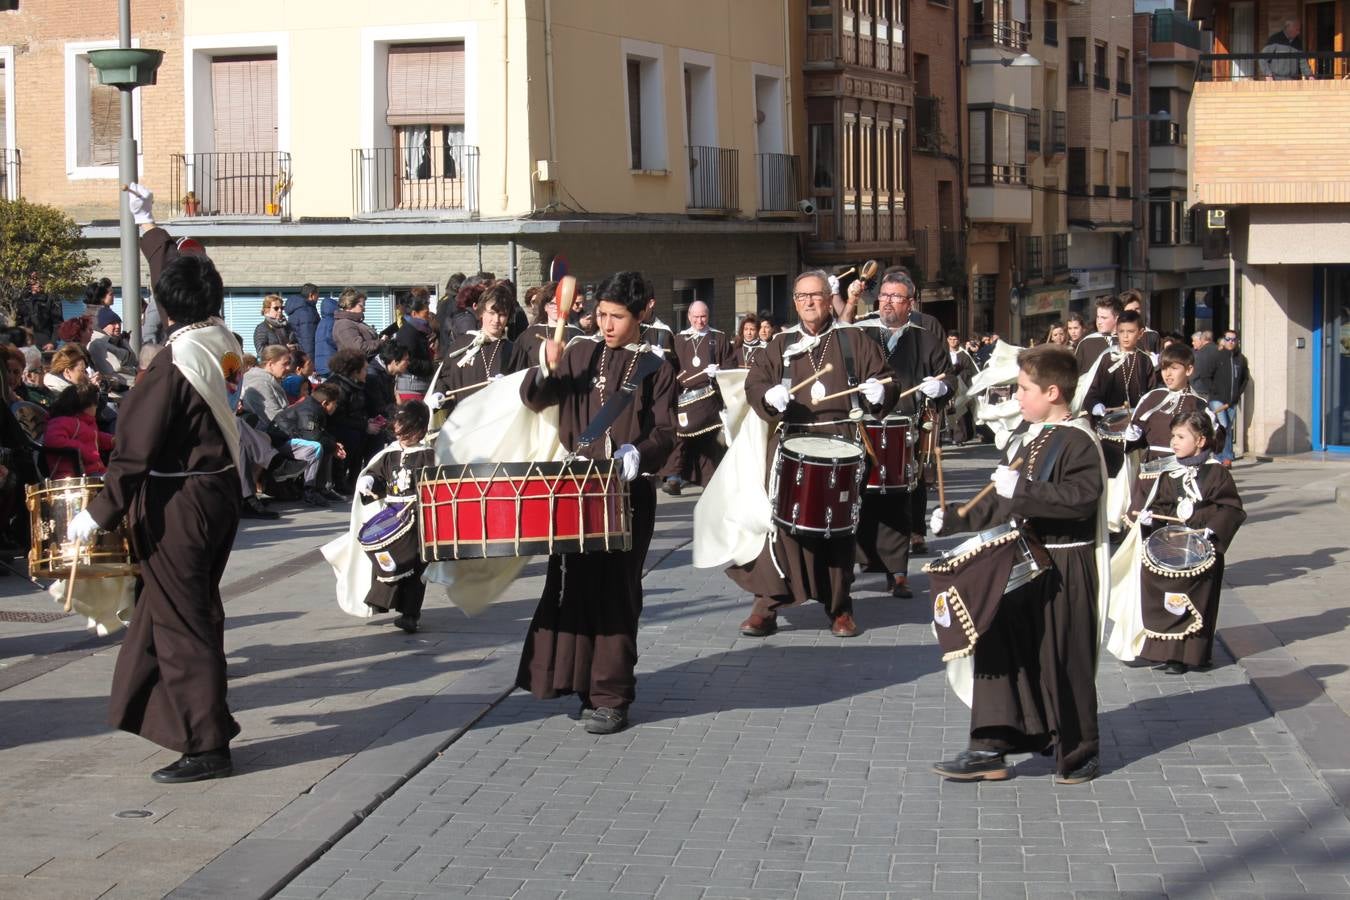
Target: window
998,147
93,115
822,157
1033,132
819,16
426,109
850,162
1167,223
1051,23
646,116
1123,174
1078,176
1077,62
244,103
1100,78
1122,71
1100,186
9,182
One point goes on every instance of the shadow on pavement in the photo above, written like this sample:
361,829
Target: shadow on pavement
1270,570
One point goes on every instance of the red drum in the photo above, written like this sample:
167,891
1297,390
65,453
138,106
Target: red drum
892,442
482,510
818,484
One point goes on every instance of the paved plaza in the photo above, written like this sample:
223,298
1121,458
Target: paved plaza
374,764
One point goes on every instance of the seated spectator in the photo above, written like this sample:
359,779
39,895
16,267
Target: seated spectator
260,392
73,426
350,331
75,331
69,365
273,330
300,379
109,352
307,421
1285,58
97,295
32,389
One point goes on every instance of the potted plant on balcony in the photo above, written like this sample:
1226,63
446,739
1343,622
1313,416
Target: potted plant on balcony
279,190
190,205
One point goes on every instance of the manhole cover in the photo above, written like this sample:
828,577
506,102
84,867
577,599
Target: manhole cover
134,814
13,615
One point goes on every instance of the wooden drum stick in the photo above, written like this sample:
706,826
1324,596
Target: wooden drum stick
562,298
70,584
806,382
846,392
966,507
942,488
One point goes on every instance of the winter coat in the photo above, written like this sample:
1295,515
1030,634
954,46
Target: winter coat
351,410
80,433
420,364
324,348
304,319
350,332
261,394
42,313
305,421
273,331
380,397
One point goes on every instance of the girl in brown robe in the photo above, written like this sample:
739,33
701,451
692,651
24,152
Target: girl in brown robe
476,358
583,637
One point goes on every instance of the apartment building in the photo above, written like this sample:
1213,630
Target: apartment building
1016,137
1100,172
388,146
1267,158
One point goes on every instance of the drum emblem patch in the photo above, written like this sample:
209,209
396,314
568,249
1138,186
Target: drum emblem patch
684,419
942,613
1176,604
385,560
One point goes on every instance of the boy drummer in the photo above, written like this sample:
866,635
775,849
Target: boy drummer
1034,667
1151,425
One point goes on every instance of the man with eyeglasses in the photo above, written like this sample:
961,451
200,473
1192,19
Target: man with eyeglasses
1230,381
790,568
916,358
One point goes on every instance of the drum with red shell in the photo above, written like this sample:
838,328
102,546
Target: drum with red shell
818,485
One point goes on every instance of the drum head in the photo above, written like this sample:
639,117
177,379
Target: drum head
1177,549
1114,423
817,446
385,524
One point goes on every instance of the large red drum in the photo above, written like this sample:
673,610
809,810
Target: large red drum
892,441
818,485
482,510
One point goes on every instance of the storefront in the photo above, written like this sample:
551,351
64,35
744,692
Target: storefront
1042,307
1331,358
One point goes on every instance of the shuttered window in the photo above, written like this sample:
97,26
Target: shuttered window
426,84
244,103
105,121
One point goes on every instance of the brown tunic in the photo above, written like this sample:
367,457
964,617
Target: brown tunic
816,568
746,352
169,681
698,425
1035,667
395,474
583,637
1121,381
1090,347
492,359
525,348
1153,415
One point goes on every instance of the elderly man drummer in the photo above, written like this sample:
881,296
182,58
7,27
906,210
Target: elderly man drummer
699,352
795,568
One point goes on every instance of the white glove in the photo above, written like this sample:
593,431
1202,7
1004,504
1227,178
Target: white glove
630,458
366,485
1005,481
496,377
1209,534
1146,518
935,520
1099,410
711,370
1154,358
932,387
142,202
82,527
834,285
777,397
1133,433
873,391
435,400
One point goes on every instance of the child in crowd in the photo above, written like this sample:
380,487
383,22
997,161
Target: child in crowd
1151,425
1179,607
73,426
301,379
1035,664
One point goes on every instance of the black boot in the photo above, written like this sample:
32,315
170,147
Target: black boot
196,767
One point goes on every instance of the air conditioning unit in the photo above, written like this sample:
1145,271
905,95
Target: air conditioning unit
546,170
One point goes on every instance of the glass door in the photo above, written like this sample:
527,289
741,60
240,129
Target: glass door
1333,345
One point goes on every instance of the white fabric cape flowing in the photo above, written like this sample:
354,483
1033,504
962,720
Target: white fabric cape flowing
731,518
961,671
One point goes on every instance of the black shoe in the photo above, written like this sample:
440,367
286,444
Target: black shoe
973,765
314,498
407,623
283,469
671,487
196,767
1176,668
336,496
898,587
606,721
1086,772
253,509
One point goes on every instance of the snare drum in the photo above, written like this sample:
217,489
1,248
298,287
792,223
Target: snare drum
484,510
970,581
390,541
697,411
818,482
1112,426
52,505
893,443
1176,563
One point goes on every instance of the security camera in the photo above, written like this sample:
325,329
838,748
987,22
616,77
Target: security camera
807,206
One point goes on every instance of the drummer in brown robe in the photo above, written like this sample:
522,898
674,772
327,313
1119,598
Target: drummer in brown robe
583,637
790,568
699,352
474,360
1091,346
1120,382
888,520
1150,427
543,305
174,477
1035,666
1150,341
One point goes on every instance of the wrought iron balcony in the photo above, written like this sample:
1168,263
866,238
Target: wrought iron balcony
1007,33
414,180
984,175
244,184
714,179
9,174
779,182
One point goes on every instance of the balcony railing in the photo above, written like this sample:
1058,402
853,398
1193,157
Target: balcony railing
1169,26
1101,81
779,180
244,184
1101,190
1272,66
1059,253
411,180
1052,32
1166,134
928,124
1122,192
985,175
9,174
713,184
1033,132
1058,127
1035,260
1123,87
1010,34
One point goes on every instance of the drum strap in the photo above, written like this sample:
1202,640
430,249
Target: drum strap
846,347
647,364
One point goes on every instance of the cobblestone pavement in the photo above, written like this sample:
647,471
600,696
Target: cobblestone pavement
798,766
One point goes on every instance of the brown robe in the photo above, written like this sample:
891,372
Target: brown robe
816,568
492,359
525,348
169,682
395,474
1220,510
1035,668
746,352
696,456
583,637
1156,422
1091,346
1121,381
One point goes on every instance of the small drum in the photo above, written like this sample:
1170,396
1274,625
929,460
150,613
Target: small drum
391,543
1176,563
1112,426
1160,466
818,481
893,443
970,581
51,507
1176,551
485,510
698,411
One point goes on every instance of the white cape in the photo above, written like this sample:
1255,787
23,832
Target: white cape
105,603
350,563
731,518
1126,611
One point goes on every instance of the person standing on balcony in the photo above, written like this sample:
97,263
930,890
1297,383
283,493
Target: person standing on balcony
303,313
1291,63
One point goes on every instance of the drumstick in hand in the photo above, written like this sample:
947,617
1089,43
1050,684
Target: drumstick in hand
70,585
1161,518
844,393
562,298
984,492
806,382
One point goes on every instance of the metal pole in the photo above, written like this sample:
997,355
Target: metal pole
131,254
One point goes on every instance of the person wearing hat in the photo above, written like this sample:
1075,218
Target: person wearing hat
108,349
